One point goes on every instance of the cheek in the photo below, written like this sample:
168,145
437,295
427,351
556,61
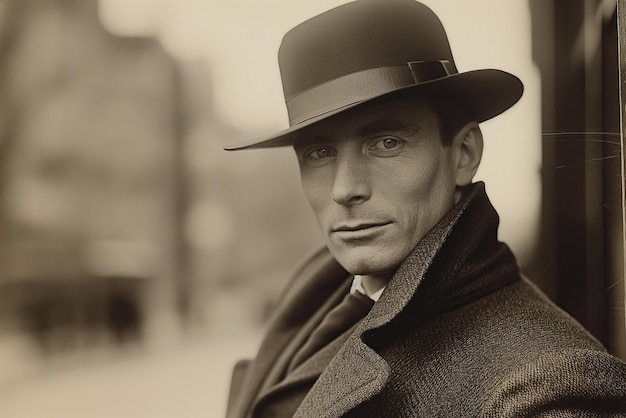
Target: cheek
438,194
423,192
315,191
411,182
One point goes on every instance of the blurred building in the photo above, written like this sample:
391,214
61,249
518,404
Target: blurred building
89,170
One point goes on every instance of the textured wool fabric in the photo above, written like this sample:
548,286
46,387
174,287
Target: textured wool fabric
319,285
344,316
457,333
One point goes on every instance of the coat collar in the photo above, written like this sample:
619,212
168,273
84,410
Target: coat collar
458,261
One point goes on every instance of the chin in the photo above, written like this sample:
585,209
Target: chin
367,261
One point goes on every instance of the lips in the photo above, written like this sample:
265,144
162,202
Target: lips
357,226
358,232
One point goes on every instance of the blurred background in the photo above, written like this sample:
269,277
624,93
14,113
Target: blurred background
138,261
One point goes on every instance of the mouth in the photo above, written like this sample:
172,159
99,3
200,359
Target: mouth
358,230
352,227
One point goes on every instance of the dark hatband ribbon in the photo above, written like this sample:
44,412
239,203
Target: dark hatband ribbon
363,85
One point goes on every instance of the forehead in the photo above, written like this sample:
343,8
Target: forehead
407,115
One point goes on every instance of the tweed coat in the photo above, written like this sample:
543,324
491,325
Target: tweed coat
457,333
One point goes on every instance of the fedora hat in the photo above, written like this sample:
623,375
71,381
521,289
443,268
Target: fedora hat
369,51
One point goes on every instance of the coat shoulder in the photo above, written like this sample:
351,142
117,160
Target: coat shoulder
566,382
481,356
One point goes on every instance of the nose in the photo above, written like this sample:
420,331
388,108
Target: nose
351,182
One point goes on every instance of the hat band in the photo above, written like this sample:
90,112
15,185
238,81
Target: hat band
362,85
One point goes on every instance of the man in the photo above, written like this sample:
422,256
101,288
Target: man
413,308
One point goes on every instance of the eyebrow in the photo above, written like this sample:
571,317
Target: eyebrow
389,125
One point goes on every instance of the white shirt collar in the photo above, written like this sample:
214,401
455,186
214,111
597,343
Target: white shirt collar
357,286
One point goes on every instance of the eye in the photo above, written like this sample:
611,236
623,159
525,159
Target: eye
386,145
319,155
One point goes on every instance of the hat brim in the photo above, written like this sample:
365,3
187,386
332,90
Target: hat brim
487,93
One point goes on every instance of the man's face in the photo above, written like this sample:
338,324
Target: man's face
377,180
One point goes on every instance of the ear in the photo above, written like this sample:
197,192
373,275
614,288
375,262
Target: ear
469,146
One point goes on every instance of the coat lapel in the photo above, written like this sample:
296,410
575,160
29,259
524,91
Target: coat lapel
355,374
319,285
308,371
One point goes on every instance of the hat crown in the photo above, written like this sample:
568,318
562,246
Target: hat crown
372,51
359,36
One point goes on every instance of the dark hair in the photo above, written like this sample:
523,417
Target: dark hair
453,115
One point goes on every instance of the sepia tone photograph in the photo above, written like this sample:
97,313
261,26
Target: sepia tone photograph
369,208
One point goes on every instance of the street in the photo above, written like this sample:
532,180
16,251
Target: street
187,378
